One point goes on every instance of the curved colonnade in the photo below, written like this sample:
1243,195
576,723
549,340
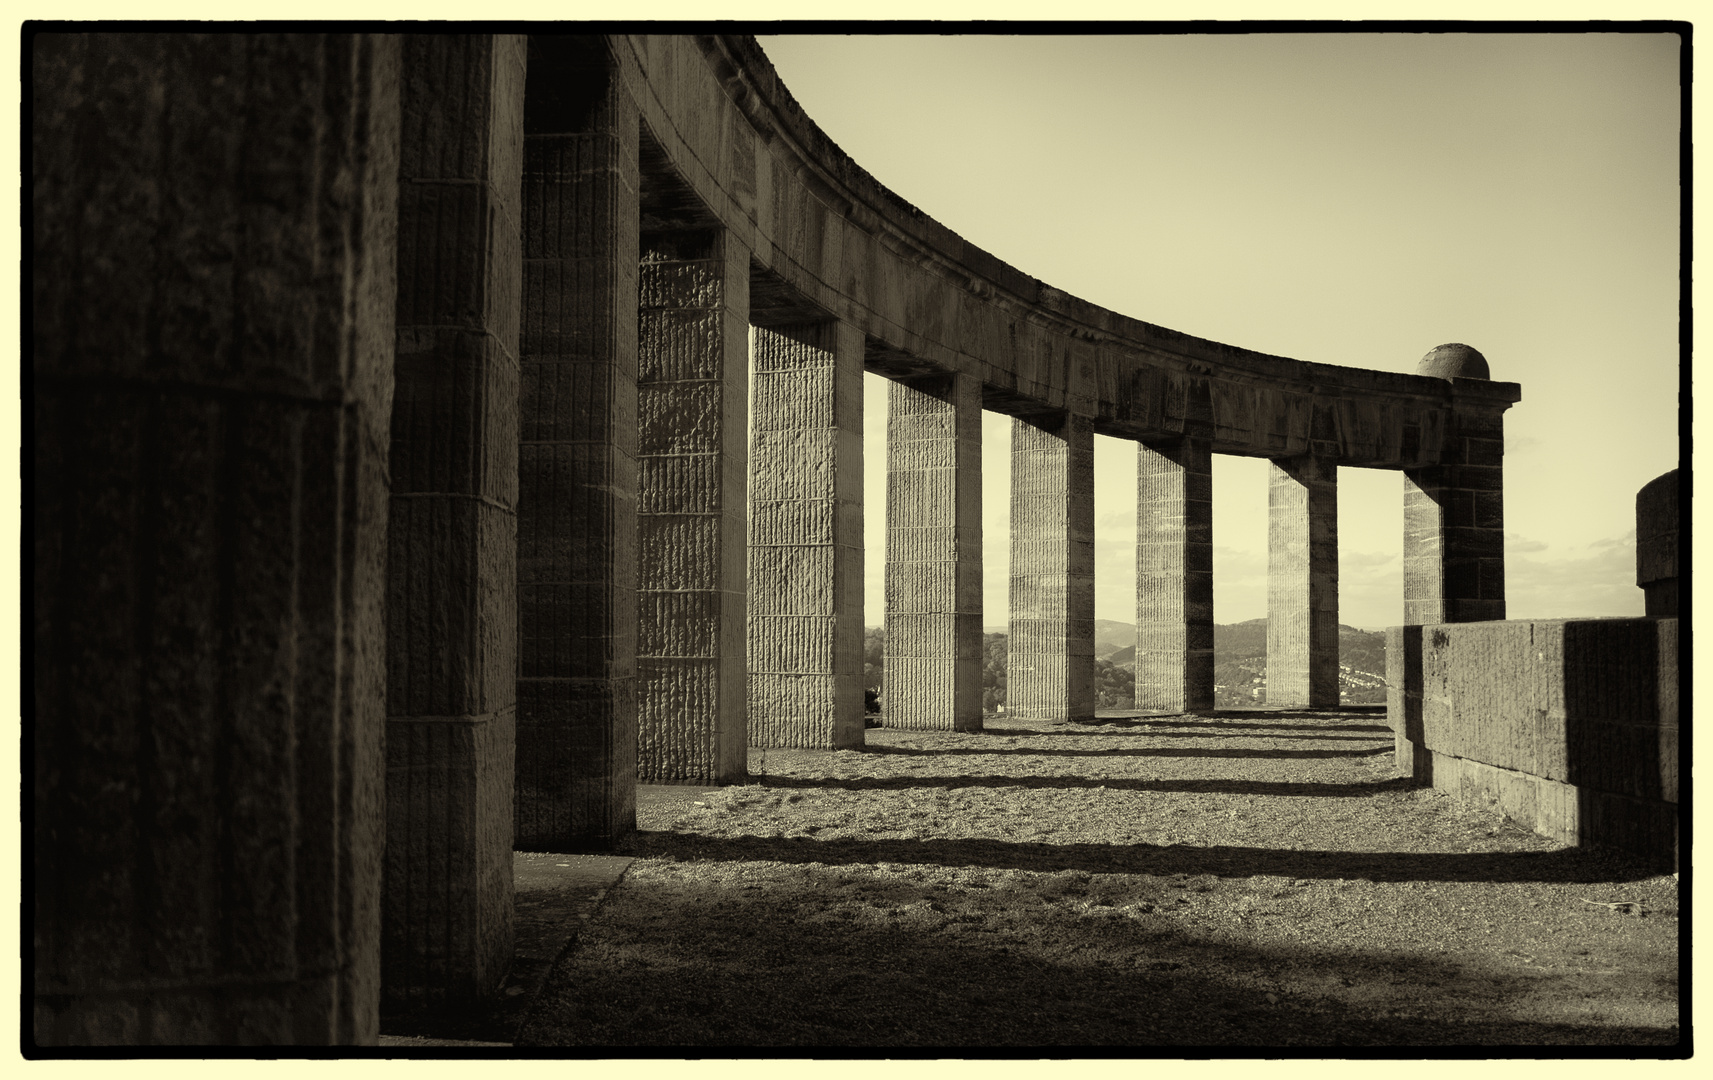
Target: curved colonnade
607,557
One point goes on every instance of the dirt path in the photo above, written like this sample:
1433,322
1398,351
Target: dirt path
1256,879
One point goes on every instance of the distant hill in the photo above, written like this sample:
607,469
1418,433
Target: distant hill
1109,635
1240,661
1239,653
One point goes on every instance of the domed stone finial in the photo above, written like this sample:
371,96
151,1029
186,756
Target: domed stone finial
1454,361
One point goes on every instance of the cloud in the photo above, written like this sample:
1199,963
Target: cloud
1518,544
1627,542
1601,583
1117,523
1362,560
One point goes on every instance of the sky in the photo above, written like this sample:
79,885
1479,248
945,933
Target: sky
1353,199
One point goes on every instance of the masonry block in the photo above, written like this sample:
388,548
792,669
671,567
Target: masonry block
933,554
692,387
1302,583
1174,576
210,508
452,552
805,610
1656,545
1051,659
1569,726
1454,526
577,453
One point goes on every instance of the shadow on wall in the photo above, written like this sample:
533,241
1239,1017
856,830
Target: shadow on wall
1570,727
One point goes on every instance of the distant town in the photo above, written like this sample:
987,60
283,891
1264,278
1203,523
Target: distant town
1239,658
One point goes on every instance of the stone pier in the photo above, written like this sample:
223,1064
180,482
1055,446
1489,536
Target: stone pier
214,242
1051,651
452,540
692,382
1302,583
805,538
1174,576
1656,545
1454,511
933,651
577,454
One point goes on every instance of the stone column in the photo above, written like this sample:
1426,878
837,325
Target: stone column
452,558
1454,526
691,400
933,648
1302,583
577,454
1656,545
1051,665
1174,576
805,537
214,241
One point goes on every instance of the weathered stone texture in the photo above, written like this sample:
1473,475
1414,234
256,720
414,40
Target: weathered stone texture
1302,583
1587,705
1050,670
1174,576
577,454
805,538
452,558
1404,701
933,644
1656,545
210,533
692,382
1454,527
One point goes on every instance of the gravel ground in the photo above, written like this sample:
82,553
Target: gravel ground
1254,879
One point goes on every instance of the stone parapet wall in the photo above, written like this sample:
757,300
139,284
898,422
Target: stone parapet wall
1569,726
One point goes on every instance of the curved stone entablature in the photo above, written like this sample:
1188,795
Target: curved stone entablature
837,243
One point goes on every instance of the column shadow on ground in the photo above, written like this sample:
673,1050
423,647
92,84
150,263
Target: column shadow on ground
1160,751
1230,861
761,981
1219,727
1157,751
1183,785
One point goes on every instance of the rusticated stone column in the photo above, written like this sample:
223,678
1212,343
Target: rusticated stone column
452,560
577,454
933,645
805,537
1051,664
1656,545
692,383
1454,512
213,344
1302,583
1174,576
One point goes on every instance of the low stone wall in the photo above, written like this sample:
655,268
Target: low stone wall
1569,726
